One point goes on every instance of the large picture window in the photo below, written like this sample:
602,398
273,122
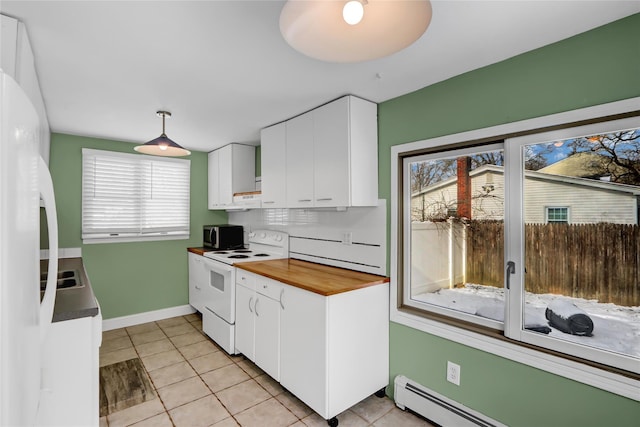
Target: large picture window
487,241
131,197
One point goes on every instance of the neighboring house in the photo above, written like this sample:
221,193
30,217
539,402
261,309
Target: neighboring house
548,198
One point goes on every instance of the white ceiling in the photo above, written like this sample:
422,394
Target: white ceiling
224,71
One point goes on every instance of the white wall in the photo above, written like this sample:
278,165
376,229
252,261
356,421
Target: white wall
323,235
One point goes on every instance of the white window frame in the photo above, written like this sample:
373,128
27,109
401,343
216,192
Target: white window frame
546,215
564,367
173,232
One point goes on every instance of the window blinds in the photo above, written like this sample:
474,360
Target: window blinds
133,197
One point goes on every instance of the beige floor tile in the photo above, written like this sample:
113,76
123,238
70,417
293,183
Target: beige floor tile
197,324
199,413
142,328
160,420
114,333
373,408
103,422
171,321
272,386
183,392
227,422
269,413
171,374
298,424
198,349
399,418
209,362
146,337
295,405
193,317
185,328
117,356
242,396
250,368
351,419
135,413
119,343
188,339
315,420
154,347
160,360
224,377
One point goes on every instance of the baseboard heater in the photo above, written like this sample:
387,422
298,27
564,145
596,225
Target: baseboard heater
435,407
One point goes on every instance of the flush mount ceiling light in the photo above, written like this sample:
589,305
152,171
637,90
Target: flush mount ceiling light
162,145
353,31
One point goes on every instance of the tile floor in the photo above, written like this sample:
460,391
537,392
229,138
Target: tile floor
198,384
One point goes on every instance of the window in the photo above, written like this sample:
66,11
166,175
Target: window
558,215
508,263
131,197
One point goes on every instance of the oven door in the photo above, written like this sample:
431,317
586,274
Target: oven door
219,289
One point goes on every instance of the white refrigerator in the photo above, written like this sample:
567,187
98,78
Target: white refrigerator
24,318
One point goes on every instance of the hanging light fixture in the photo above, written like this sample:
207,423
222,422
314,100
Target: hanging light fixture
162,145
355,30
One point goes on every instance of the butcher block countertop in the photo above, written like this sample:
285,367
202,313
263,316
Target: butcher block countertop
318,278
198,251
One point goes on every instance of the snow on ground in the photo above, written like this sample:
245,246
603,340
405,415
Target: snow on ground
615,328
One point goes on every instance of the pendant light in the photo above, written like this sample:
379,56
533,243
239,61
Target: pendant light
353,30
162,145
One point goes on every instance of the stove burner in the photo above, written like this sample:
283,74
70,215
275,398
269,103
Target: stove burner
242,251
238,256
261,255
220,253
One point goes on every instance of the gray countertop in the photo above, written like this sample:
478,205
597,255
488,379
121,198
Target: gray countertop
73,303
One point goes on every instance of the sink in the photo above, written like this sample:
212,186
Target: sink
67,279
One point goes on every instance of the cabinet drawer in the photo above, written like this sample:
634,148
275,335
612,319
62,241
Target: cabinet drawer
268,287
245,278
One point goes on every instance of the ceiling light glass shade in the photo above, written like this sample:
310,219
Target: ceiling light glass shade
317,28
353,12
162,145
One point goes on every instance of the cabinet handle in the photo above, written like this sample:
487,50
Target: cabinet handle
325,199
304,200
250,299
256,307
281,295
266,202
198,288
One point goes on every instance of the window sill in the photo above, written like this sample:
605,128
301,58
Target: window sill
583,373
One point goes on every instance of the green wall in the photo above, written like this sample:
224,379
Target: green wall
127,278
602,65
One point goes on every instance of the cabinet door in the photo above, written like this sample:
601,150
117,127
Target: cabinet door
245,318
267,335
9,41
225,175
214,182
273,164
303,350
331,154
299,161
196,271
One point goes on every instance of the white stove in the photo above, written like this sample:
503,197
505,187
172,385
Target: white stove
264,245
219,315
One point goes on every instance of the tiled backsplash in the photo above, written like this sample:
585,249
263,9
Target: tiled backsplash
354,238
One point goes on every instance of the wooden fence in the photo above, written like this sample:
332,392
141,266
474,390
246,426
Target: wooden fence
591,261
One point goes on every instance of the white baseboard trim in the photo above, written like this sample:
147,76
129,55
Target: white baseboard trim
149,316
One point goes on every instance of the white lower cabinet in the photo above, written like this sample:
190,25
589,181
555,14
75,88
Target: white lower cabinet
197,279
258,321
332,351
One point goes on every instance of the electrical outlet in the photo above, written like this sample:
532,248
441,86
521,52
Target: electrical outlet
453,373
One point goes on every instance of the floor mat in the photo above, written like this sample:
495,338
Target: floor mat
122,385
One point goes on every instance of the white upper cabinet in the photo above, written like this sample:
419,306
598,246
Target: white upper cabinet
231,170
300,162
18,62
273,165
331,157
